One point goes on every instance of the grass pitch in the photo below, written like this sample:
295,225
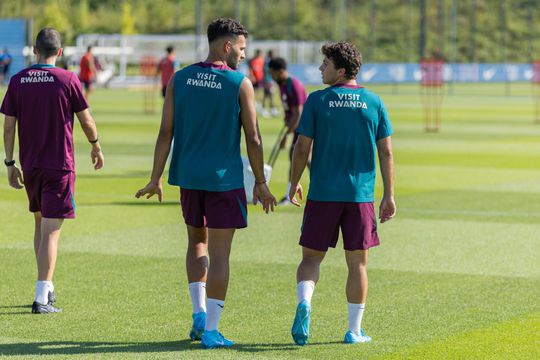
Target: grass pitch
456,275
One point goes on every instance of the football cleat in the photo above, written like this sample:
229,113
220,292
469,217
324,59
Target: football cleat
300,328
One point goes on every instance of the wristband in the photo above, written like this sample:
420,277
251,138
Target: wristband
9,163
260,182
93,141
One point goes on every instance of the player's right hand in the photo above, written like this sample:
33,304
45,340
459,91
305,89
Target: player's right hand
150,190
387,209
97,158
262,194
15,177
292,194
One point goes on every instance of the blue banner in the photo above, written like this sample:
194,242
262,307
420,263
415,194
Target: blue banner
389,73
13,38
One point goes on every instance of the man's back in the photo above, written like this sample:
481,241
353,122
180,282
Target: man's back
206,153
345,122
44,98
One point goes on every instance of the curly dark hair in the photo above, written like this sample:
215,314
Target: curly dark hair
344,55
225,27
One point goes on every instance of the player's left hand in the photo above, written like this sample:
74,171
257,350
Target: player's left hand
262,194
150,190
292,194
387,209
15,177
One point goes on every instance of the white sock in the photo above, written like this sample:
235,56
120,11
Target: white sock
214,308
304,290
288,190
356,311
197,290
42,291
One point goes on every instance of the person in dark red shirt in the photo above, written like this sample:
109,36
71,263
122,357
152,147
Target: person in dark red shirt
41,100
166,68
293,97
87,71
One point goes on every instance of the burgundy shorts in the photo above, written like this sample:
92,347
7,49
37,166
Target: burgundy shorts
214,209
51,192
322,220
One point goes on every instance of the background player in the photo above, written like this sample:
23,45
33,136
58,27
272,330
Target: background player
345,123
293,97
41,100
166,68
87,72
268,85
207,166
256,75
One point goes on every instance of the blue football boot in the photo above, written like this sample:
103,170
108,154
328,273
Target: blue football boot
300,328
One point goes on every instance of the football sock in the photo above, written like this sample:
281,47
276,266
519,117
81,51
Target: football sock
356,311
197,290
304,290
42,291
214,308
288,190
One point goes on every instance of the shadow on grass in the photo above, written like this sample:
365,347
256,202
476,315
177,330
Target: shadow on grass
81,348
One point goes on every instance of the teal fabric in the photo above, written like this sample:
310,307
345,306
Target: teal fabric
345,123
206,150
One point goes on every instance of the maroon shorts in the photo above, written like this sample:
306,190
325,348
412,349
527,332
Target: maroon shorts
213,209
51,192
322,220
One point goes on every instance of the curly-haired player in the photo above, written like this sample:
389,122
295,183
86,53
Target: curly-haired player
346,124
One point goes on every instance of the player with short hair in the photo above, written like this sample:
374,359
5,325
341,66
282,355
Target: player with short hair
87,71
206,105
346,124
166,68
293,97
41,101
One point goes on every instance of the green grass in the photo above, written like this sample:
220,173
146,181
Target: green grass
456,276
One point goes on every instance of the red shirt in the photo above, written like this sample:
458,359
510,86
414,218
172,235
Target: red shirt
86,73
166,67
257,68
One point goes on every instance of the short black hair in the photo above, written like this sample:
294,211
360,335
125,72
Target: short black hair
48,41
344,55
89,48
277,64
170,49
225,27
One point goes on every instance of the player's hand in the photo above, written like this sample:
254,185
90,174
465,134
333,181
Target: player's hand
387,209
97,158
292,194
150,190
15,177
262,194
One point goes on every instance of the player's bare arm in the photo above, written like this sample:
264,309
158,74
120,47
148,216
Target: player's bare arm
299,163
15,179
248,116
89,128
387,209
163,146
295,118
